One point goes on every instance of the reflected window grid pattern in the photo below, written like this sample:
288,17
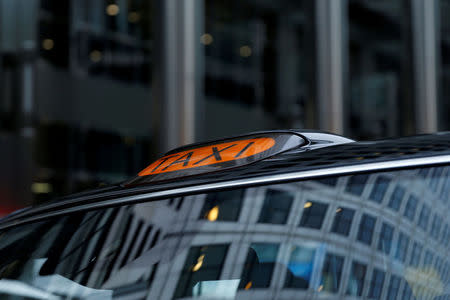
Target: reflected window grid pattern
436,226
428,258
366,228
394,286
356,184
407,292
259,266
410,209
300,268
313,214
402,247
343,221
225,205
396,198
445,235
376,284
385,240
276,207
379,189
331,272
203,263
415,254
424,217
385,233
356,281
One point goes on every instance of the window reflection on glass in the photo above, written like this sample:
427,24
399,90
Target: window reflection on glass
396,198
222,206
331,273
407,293
379,189
410,209
276,207
415,254
379,50
424,217
356,184
135,248
259,266
313,214
366,227
402,247
376,284
343,220
331,181
445,235
428,259
385,240
436,226
203,263
394,285
356,279
300,268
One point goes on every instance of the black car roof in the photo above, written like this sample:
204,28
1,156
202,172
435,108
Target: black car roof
304,160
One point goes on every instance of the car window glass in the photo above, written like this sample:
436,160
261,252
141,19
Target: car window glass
375,236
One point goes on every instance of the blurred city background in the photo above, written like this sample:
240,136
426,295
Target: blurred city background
91,91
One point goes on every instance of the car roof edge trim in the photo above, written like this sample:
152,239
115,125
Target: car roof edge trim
241,183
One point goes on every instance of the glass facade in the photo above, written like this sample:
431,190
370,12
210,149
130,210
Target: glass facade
379,59
87,74
167,249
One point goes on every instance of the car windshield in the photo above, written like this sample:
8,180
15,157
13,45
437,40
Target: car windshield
375,235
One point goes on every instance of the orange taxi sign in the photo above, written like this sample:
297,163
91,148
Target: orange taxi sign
209,155
219,155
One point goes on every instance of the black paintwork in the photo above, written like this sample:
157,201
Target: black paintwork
302,159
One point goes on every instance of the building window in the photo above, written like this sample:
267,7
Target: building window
436,226
300,268
410,209
428,259
356,280
203,263
343,221
415,254
366,227
407,292
438,264
331,273
394,285
313,214
259,265
385,240
276,208
222,206
424,217
379,189
356,184
331,181
435,178
444,235
396,198
376,284
402,247
376,74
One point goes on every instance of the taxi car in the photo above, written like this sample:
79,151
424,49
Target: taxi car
268,215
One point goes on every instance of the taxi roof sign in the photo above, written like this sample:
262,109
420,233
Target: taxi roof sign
219,155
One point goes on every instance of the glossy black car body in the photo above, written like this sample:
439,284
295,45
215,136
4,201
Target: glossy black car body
324,155
330,219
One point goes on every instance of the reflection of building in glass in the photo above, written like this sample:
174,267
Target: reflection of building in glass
295,240
358,236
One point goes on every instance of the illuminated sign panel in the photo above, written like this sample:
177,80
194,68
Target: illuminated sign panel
209,155
219,155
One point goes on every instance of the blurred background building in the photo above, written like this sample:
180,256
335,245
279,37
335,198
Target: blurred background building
92,90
